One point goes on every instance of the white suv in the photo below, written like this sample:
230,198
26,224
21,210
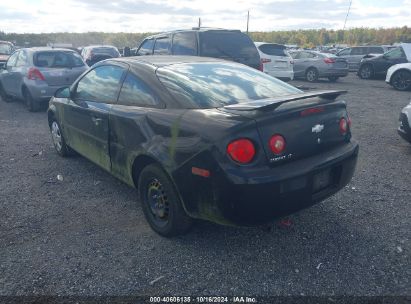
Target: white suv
275,61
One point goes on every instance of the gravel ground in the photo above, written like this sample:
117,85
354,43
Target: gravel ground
86,235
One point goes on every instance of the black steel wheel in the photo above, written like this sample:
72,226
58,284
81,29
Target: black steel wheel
401,80
311,75
366,71
161,204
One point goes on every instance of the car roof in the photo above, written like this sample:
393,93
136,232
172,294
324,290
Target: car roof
45,48
194,29
163,60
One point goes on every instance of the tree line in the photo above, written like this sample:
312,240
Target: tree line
303,38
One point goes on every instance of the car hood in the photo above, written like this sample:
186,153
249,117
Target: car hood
4,57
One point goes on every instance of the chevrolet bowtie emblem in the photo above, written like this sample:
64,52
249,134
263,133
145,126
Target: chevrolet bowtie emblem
317,128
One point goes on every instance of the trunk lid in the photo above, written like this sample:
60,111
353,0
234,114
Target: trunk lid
309,124
61,76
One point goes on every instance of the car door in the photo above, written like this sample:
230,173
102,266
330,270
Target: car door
298,64
346,54
8,76
86,117
19,72
128,123
357,54
390,58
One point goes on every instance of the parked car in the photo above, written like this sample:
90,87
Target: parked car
95,53
34,74
275,61
312,65
399,76
404,128
6,48
206,138
356,53
379,65
205,42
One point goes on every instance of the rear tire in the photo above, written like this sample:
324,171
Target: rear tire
3,95
58,140
161,203
32,105
333,78
401,80
366,71
311,75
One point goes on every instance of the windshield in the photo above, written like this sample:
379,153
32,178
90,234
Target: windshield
210,85
58,59
5,49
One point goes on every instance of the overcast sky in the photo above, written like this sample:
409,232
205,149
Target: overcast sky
35,16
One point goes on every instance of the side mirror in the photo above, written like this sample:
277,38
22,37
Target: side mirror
63,92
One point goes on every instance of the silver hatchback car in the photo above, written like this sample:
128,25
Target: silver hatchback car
311,65
35,74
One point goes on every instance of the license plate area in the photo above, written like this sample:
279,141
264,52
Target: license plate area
325,179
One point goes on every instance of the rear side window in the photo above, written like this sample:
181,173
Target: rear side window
227,44
147,47
100,84
375,50
273,50
162,46
185,44
107,51
134,92
395,53
359,51
57,59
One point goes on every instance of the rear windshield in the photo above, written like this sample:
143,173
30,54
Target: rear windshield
106,50
58,59
227,44
5,49
273,49
210,85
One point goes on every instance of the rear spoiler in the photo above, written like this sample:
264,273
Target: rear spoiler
272,103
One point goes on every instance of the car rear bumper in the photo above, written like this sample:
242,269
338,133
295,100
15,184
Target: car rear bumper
276,192
41,91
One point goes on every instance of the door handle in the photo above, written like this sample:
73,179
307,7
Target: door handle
96,120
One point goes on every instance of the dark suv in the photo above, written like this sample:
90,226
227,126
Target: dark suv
218,43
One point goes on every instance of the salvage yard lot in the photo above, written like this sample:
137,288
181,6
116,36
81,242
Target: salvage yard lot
86,234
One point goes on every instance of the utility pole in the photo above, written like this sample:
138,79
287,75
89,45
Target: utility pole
248,19
345,21
199,22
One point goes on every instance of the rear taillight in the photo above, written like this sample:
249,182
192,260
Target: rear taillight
241,150
262,61
349,122
277,144
329,60
343,126
35,74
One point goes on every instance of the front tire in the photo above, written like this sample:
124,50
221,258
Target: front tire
401,80
366,72
311,75
58,140
161,204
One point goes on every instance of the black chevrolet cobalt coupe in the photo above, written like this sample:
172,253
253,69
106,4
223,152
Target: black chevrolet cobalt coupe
206,138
